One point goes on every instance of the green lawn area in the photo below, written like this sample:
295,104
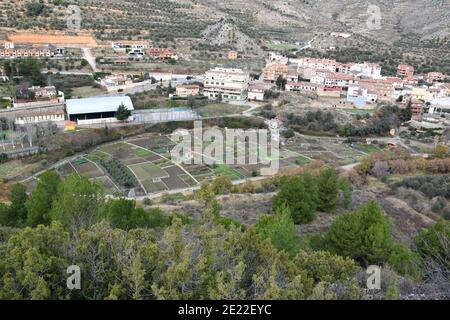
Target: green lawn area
148,170
224,169
219,109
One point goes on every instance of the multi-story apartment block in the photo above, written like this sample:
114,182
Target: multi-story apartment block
383,90
230,84
274,70
405,71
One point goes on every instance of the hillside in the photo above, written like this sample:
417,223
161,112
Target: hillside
257,18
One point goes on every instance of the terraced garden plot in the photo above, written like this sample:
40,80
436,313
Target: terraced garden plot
148,170
133,161
143,153
224,169
202,177
97,156
153,158
174,170
66,169
152,187
120,150
88,169
106,182
153,142
174,183
244,172
367,148
197,169
188,180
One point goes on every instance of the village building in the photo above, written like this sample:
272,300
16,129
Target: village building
317,63
162,53
383,90
121,62
186,90
130,47
302,87
276,57
116,82
35,112
229,84
405,71
274,70
359,95
328,92
435,77
48,92
256,91
232,55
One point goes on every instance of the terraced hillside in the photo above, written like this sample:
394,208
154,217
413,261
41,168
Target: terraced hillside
256,18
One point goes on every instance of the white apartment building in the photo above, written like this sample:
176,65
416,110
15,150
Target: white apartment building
230,84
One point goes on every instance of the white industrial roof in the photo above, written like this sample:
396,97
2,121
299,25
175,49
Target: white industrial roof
97,104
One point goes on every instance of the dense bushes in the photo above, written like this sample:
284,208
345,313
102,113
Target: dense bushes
431,186
119,172
306,193
313,121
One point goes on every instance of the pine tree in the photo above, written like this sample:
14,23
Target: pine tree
122,113
328,190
